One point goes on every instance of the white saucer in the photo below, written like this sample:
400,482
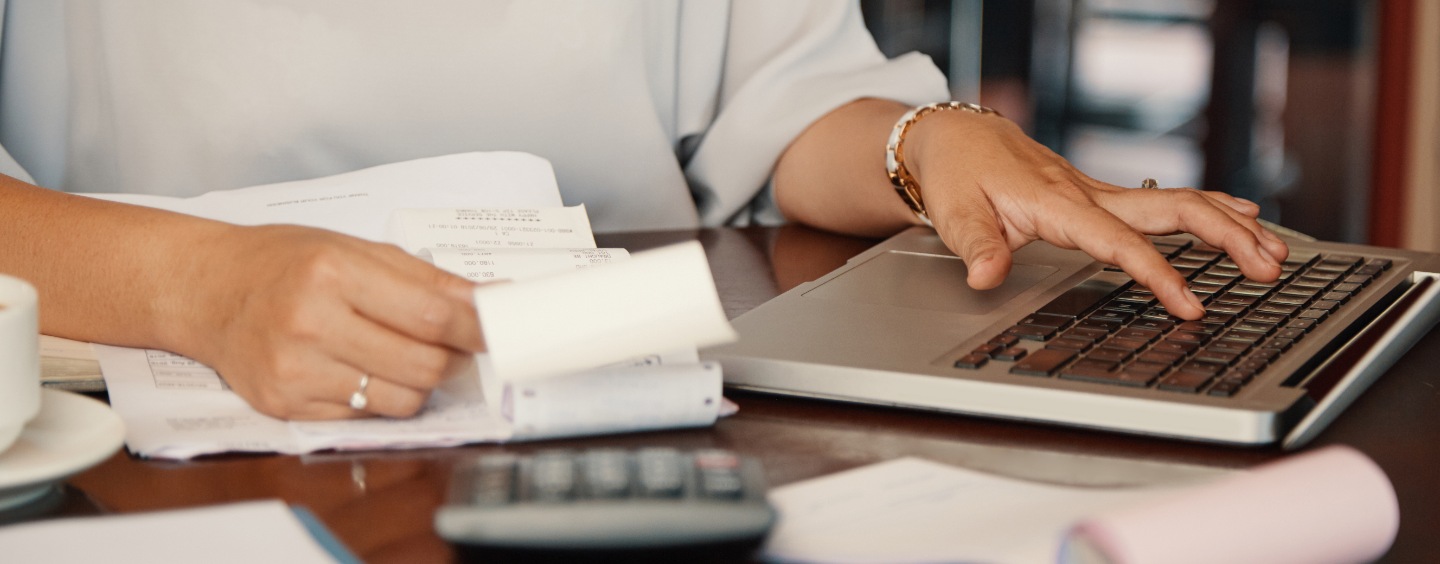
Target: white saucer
71,434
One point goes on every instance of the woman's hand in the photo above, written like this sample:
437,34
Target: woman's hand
293,317
989,190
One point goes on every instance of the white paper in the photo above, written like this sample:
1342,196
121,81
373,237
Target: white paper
916,510
177,408
629,397
360,203
492,265
491,228
56,347
658,300
242,533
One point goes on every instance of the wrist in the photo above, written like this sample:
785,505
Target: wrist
917,134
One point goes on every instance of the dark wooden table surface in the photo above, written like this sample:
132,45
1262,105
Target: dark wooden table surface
381,503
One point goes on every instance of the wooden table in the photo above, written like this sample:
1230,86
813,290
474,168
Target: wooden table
381,503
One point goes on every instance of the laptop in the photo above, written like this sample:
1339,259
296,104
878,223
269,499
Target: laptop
1071,341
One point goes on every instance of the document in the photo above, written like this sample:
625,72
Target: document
360,203
564,299
916,510
242,533
1327,505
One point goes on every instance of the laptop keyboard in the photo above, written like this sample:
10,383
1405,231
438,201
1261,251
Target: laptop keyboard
1110,330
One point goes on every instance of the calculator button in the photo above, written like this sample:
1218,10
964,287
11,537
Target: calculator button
493,480
659,472
607,473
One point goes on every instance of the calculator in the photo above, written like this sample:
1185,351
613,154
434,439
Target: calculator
606,499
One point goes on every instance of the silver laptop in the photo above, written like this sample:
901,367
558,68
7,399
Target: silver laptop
1068,340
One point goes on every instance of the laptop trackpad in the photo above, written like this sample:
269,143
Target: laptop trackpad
930,282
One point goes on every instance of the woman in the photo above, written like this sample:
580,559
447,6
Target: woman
655,115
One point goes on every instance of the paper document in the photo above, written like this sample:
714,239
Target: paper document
915,510
627,329
1327,505
242,533
491,228
360,203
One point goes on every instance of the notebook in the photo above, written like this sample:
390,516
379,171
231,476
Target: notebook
1071,341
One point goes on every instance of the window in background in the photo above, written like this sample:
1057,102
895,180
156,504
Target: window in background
1271,100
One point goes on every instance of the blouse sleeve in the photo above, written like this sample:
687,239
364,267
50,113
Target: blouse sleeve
786,64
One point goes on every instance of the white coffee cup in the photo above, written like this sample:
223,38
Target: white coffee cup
19,358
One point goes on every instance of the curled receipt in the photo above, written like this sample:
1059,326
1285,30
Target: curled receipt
659,300
1329,505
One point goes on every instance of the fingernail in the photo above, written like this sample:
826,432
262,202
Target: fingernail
1271,236
1243,200
1195,301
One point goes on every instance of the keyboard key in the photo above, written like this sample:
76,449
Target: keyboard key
1094,365
1084,296
1047,320
1005,340
1071,344
972,361
1306,324
1109,354
1010,354
1255,327
1089,333
1106,326
1174,347
1032,332
1216,356
1145,336
1188,337
1144,370
1106,377
1317,314
1168,358
987,349
1124,344
1206,368
1188,382
1264,317
1043,362
1161,325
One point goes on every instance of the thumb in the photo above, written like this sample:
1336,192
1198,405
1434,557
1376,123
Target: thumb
972,230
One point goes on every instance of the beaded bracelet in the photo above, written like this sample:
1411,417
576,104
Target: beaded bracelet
900,177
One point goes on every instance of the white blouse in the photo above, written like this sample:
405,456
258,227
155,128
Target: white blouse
656,114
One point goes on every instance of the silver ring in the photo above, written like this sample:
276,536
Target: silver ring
358,400
1149,183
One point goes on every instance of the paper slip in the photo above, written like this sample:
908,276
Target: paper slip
665,298
242,533
360,203
491,228
1328,505
490,265
916,510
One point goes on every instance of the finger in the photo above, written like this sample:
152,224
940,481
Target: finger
1269,242
1108,239
428,307
969,226
330,397
379,351
1168,211
424,272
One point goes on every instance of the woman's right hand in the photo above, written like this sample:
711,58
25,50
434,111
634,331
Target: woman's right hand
293,317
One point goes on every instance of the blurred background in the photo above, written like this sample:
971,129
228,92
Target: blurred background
1326,112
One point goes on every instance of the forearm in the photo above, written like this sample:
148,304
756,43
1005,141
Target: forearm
105,272
833,175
